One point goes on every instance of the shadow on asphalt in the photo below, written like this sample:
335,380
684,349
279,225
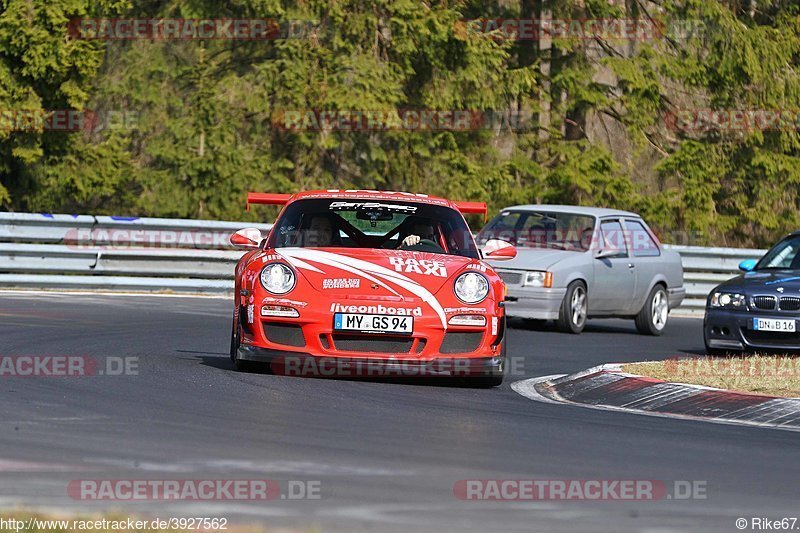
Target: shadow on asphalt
550,326
223,362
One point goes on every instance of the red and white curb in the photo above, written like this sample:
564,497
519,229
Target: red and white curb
607,387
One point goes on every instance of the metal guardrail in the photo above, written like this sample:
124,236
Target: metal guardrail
705,268
173,255
117,253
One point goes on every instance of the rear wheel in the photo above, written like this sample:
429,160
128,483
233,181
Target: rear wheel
652,319
574,307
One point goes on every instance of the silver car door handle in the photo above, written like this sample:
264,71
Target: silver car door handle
631,265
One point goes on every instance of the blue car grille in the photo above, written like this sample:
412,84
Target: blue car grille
764,302
790,303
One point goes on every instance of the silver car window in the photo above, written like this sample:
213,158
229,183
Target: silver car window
613,237
641,242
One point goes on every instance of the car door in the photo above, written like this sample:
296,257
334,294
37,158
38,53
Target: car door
614,275
646,258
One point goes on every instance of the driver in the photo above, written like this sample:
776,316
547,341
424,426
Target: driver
319,232
420,229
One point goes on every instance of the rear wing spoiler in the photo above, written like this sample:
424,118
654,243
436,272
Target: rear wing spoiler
266,198
472,208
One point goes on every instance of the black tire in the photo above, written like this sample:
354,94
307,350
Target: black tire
240,364
652,318
234,341
574,308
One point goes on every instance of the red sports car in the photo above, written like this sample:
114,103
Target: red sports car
369,283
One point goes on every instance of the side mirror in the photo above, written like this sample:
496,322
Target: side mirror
747,265
246,238
607,253
499,250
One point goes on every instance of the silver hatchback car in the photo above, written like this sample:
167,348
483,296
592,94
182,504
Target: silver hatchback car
578,262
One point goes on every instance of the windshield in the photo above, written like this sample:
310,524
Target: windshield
541,229
782,255
364,223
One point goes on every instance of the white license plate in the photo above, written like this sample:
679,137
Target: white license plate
373,323
774,324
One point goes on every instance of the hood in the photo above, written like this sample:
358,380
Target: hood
535,259
374,273
786,282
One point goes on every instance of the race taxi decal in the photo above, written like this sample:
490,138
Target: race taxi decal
341,283
419,266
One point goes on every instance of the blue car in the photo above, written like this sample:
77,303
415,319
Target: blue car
758,310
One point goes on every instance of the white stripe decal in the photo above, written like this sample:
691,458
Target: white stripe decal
346,263
299,263
334,263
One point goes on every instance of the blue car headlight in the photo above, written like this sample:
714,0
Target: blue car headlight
727,299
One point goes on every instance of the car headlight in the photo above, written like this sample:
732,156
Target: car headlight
538,279
471,287
277,278
727,299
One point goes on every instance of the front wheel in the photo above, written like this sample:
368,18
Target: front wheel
572,315
240,364
652,319
234,341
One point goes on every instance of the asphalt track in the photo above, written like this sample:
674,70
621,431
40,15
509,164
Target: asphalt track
386,454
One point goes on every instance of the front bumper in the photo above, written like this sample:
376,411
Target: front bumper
293,363
534,302
731,330
310,340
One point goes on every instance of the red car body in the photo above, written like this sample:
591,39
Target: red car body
298,331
